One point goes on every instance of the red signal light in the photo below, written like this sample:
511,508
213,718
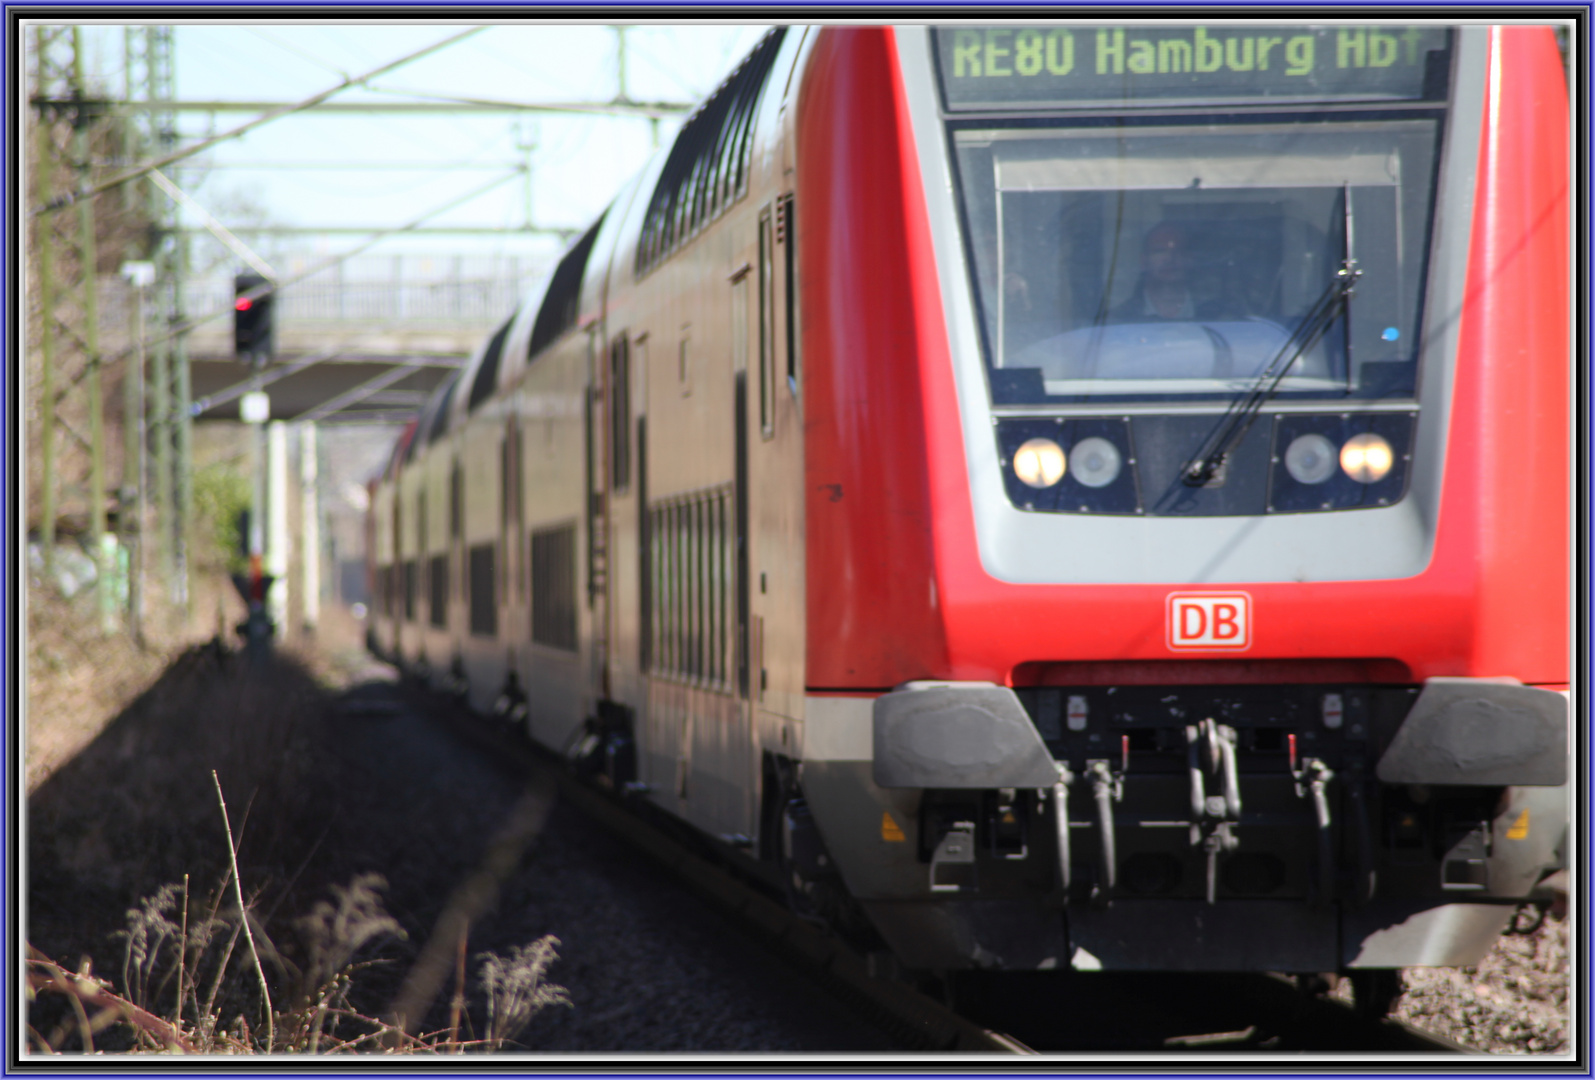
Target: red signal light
243,303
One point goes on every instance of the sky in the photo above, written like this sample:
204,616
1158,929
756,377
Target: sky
388,169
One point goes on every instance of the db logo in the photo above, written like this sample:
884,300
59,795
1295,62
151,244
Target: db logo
1210,621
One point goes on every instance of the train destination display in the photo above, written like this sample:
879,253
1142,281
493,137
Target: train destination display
1005,67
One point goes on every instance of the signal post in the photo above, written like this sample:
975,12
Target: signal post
252,342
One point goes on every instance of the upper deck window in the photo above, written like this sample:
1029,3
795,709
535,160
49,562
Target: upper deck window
707,169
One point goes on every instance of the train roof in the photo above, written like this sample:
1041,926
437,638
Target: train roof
689,184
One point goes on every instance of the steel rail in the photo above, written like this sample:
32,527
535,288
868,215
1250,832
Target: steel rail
915,1021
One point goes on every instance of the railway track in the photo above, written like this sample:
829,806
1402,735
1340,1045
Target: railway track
998,1014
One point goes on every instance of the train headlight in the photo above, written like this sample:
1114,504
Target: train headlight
1310,458
1096,462
1367,458
1039,463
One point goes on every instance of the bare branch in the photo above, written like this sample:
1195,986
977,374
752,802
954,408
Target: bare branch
243,914
46,974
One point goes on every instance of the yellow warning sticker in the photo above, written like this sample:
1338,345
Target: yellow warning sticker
1520,827
890,830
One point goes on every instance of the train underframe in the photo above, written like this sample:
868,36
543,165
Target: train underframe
1300,828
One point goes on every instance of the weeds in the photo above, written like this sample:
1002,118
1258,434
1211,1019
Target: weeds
148,931
333,933
321,1020
516,990
193,968
199,951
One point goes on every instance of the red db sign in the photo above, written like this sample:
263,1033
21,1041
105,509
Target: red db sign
1210,621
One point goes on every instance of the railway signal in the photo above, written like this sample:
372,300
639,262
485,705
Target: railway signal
252,318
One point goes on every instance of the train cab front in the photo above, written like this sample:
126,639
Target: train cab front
1208,610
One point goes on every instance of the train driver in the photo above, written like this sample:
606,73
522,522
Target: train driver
1164,291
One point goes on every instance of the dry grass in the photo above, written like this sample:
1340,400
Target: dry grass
196,961
79,678
221,752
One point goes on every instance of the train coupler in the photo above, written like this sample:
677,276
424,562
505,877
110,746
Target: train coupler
1210,756
1107,788
1312,777
1060,803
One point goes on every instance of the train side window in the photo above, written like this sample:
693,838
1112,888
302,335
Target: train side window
504,450
501,580
456,502
456,515
786,236
437,579
645,555
684,362
766,326
484,609
518,494
620,413
421,537
554,586
689,588
739,321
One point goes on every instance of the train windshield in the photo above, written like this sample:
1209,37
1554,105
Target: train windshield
1132,257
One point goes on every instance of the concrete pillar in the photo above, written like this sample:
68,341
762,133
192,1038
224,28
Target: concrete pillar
310,522
277,522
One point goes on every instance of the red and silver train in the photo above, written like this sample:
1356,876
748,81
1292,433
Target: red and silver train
1072,495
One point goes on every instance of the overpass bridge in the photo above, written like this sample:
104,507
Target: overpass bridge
349,350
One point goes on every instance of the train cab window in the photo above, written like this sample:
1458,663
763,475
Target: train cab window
1177,256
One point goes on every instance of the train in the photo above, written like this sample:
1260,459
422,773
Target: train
1064,496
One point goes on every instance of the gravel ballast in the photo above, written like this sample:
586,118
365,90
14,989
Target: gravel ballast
380,784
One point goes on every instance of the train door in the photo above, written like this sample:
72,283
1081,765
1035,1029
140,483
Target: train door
395,599
743,283
596,470
773,607
623,691
456,601
512,526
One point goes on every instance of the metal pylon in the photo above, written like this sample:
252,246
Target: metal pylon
68,120
150,78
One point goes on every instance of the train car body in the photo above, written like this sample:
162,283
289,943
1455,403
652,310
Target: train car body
1079,495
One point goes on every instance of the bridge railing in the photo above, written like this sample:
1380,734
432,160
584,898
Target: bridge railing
480,301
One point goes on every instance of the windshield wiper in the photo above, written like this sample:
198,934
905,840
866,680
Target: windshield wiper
1244,409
